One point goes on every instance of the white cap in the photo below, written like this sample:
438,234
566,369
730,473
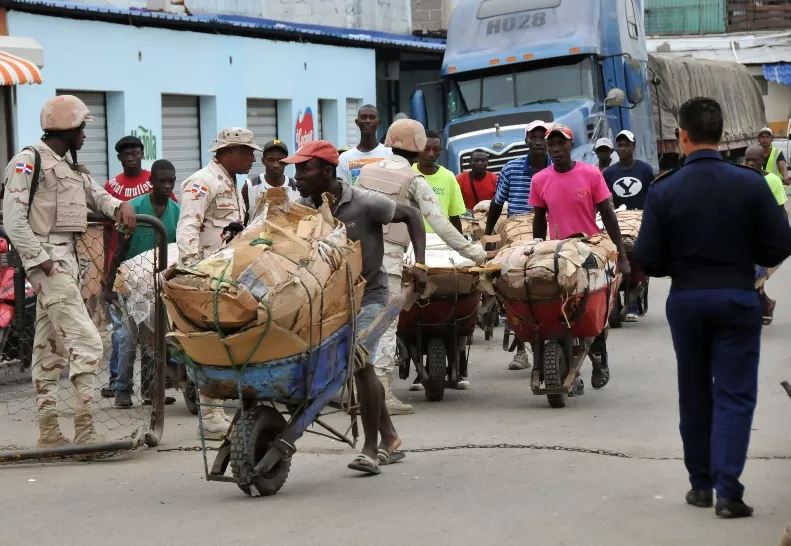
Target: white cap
536,124
603,142
628,134
767,130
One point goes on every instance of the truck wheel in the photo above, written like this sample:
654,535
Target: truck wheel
260,426
436,367
554,372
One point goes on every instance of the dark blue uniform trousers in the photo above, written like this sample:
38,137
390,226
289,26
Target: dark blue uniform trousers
717,337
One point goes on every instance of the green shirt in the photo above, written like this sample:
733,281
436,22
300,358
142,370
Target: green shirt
448,191
144,238
778,190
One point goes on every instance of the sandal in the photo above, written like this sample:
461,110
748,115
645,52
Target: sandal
600,376
386,458
365,464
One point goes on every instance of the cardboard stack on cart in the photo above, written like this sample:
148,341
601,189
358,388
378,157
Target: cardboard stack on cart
282,286
449,273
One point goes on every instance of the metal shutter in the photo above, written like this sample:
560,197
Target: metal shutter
352,132
319,123
262,121
94,152
181,136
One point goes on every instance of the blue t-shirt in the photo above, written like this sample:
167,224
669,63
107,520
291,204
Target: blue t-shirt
513,185
629,186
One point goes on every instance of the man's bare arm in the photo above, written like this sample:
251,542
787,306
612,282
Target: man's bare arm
539,223
610,221
492,216
413,219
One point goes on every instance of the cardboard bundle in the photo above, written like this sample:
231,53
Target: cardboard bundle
135,281
284,278
629,221
474,222
517,228
527,269
448,271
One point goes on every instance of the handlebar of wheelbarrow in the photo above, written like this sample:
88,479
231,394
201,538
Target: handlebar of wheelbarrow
404,300
787,387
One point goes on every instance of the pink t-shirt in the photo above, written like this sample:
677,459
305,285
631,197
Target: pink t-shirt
570,199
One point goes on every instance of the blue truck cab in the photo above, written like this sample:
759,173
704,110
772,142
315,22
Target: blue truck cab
582,63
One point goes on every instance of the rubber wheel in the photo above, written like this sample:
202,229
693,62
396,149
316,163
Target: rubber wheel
436,367
261,425
191,397
554,372
506,339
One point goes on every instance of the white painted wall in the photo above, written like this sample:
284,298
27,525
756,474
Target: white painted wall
777,103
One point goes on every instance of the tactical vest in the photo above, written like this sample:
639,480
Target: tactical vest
393,184
59,205
771,162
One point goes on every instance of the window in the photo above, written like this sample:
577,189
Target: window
763,84
496,8
631,19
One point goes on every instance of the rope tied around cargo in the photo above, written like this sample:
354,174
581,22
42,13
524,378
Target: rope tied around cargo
261,241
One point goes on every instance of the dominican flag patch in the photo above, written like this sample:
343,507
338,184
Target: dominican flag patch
24,168
199,190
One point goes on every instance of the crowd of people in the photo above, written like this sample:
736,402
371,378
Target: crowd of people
706,226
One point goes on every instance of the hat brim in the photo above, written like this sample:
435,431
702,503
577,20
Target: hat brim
297,158
603,147
89,118
220,145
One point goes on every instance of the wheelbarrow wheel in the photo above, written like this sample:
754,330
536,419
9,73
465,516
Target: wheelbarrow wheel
190,393
260,426
436,367
554,372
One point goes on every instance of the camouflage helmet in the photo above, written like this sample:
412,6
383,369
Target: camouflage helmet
406,134
63,113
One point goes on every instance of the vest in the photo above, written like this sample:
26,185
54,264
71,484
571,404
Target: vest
771,162
59,205
393,184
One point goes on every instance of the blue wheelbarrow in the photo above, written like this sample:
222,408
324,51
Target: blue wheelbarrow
261,441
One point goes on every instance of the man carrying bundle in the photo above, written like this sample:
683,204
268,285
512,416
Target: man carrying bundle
567,197
513,187
365,214
395,179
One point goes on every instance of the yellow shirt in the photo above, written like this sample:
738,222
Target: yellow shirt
448,191
778,190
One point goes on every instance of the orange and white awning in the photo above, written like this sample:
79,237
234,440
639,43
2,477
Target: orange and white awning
16,70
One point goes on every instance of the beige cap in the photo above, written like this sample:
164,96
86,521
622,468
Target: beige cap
234,136
63,113
406,134
768,131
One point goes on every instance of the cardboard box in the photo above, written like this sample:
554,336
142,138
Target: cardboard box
449,284
209,349
234,311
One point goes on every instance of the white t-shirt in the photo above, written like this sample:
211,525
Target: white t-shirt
351,161
258,185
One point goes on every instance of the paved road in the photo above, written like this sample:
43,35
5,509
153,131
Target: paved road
464,496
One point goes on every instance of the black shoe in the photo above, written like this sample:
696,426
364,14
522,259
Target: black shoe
123,400
702,498
578,389
729,509
108,391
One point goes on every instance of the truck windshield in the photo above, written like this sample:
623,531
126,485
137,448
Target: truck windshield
529,85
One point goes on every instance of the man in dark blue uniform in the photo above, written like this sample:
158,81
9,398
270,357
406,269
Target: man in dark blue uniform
706,225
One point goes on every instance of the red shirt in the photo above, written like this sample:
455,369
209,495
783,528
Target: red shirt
484,189
125,188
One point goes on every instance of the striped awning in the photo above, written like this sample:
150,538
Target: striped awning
15,70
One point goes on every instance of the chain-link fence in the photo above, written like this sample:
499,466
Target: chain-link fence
129,389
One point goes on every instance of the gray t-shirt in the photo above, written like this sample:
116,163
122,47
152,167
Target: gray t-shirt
365,213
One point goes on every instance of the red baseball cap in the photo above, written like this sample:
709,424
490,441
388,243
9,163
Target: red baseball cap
316,149
562,129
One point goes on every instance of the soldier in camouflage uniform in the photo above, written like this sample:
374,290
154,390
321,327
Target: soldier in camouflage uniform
43,225
395,178
210,202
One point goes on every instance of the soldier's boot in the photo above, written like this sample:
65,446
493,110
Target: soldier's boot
393,404
49,432
84,433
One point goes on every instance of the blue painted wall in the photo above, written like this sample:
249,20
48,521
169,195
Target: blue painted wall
137,65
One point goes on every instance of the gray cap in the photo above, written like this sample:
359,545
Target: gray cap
603,143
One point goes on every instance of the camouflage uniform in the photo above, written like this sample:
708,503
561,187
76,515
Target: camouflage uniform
210,201
409,135
46,230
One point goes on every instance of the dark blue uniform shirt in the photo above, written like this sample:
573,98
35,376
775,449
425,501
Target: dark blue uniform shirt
707,224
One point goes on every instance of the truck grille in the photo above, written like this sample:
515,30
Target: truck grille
496,160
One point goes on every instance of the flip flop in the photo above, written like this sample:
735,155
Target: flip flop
365,464
386,458
168,401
